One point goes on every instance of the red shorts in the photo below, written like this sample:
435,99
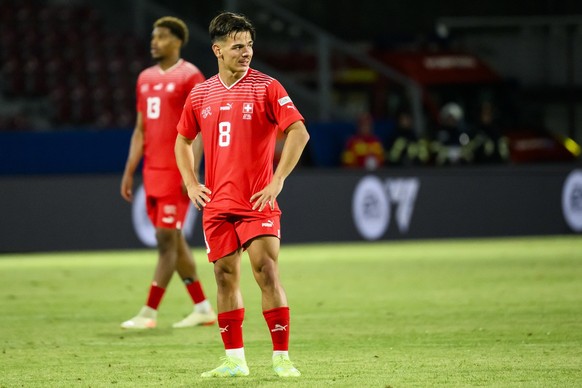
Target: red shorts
225,234
168,211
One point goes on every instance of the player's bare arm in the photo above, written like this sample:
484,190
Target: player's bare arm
198,151
297,138
199,194
133,159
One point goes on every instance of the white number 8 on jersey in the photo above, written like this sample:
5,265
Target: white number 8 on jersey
224,134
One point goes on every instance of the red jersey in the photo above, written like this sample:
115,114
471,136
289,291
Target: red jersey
239,126
160,99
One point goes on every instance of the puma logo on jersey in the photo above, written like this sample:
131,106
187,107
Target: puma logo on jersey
268,224
158,86
228,106
279,328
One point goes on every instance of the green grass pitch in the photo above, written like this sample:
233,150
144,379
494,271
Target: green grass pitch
451,313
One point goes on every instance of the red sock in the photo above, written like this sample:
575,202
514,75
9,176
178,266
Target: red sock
278,323
195,291
155,296
230,325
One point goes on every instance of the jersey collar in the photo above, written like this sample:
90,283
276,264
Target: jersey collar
169,69
236,82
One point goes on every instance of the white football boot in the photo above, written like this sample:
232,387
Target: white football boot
145,319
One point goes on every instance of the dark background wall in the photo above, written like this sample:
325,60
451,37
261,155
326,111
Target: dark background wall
77,212
369,19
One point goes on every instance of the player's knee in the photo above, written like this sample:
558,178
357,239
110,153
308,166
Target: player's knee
266,273
225,276
265,266
167,239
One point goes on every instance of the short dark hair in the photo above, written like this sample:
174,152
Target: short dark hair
176,26
228,23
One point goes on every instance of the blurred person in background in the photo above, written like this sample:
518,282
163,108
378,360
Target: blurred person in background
161,92
451,140
364,149
489,145
404,147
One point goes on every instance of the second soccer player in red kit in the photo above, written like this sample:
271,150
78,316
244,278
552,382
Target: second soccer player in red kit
161,92
239,112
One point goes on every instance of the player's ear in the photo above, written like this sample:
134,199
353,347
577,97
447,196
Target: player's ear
217,51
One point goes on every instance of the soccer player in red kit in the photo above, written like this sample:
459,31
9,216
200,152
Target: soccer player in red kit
239,112
161,92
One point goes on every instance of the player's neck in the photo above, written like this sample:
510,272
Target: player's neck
166,63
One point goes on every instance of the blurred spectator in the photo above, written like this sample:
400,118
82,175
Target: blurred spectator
451,140
405,147
364,149
489,145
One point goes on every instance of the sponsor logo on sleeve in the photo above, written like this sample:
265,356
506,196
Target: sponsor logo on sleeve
284,100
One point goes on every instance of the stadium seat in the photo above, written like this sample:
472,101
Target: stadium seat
59,51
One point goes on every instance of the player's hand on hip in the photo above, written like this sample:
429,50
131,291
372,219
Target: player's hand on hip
266,196
199,194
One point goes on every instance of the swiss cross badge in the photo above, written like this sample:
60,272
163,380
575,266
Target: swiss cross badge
248,107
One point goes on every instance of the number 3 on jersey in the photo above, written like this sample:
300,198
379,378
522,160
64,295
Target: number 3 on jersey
224,134
153,109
